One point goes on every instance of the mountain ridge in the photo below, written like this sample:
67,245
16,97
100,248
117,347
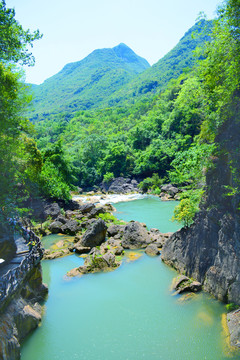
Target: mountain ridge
98,75
113,76
169,67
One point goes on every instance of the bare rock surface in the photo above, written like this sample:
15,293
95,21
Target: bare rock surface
233,322
183,284
152,250
95,235
135,236
21,316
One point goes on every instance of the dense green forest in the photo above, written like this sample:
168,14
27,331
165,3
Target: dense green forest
158,127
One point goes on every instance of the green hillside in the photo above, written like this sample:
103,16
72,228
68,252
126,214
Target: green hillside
180,59
109,77
150,122
87,83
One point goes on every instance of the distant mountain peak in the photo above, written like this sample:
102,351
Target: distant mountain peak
121,47
127,54
88,82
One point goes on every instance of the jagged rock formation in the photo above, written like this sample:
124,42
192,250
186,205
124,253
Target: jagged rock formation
21,315
209,250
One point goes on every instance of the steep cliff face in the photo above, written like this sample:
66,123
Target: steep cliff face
21,315
209,250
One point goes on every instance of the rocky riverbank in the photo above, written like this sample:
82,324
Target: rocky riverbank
21,315
97,234
209,250
125,186
21,289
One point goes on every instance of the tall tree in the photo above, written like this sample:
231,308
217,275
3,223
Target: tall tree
15,158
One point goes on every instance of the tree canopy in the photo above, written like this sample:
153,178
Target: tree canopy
19,158
14,40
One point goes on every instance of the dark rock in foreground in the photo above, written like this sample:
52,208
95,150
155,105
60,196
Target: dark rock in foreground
152,250
135,236
64,226
95,235
21,315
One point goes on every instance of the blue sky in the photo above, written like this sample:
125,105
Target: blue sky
74,28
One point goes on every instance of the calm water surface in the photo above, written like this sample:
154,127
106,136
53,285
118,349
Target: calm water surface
127,314
151,211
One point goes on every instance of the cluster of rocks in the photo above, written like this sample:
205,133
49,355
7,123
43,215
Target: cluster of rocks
119,185
102,244
106,254
74,221
169,192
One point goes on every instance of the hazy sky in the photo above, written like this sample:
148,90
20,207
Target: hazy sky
74,28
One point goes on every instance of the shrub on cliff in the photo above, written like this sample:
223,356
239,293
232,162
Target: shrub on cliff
184,212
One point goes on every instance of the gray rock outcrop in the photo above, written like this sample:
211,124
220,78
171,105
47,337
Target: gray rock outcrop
64,226
52,210
209,250
114,230
95,235
96,261
21,315
71,227
152,250
135,236
169,192
120,185
233,321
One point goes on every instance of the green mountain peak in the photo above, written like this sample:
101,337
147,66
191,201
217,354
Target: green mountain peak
86,83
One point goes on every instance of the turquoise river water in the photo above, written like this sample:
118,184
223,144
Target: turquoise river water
127,314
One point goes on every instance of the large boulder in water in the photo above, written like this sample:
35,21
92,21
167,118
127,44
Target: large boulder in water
96,262
182,283
95,235
152,250
135,236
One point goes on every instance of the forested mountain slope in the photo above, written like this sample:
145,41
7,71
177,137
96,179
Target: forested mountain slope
180,59
87,83
117,76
